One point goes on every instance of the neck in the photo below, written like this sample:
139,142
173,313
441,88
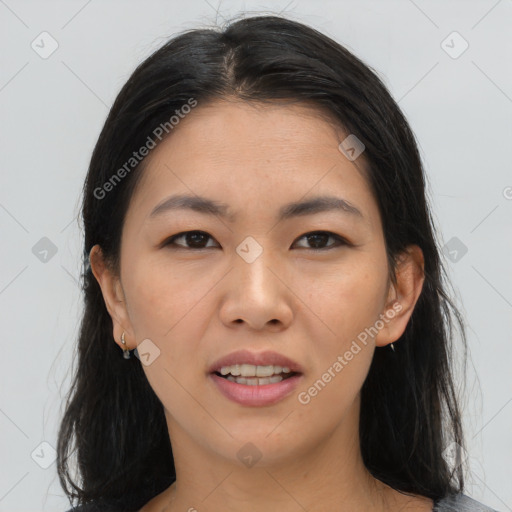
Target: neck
324,476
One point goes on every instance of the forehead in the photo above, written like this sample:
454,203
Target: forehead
241,153
232,125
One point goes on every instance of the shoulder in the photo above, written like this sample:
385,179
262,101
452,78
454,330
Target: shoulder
91,507
460,503
129,503
86,508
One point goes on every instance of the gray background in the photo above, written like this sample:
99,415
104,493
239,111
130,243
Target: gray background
459,106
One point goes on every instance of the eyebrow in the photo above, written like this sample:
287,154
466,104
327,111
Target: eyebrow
296,209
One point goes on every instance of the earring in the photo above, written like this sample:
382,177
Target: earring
392,347
126,353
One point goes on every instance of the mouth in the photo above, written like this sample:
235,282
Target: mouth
246,363
254,391
256,376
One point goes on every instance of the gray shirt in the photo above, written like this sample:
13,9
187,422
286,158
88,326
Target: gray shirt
453,503
460,503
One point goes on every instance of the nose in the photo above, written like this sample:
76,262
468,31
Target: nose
256,293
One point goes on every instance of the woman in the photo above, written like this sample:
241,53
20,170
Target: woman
256,227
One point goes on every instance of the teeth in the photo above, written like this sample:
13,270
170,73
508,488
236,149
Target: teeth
256,381
250,370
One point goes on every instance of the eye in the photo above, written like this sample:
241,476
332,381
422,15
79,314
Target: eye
197,239
318,238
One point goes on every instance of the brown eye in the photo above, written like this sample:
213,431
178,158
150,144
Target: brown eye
318,239
197,240
192,239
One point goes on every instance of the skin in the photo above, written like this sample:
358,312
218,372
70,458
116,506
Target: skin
197,305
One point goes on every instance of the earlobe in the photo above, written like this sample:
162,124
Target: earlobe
112,295
403,296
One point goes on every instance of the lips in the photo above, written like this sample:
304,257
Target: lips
256,396
265,358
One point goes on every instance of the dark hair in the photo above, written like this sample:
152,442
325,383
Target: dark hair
409,407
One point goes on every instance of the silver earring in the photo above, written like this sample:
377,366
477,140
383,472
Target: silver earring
392,347
126,353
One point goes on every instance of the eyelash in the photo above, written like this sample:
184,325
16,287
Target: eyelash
170,241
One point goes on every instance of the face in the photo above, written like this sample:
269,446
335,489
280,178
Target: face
306,286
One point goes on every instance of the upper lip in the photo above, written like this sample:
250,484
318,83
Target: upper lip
265,358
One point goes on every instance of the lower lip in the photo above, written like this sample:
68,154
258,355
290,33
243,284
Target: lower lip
254,396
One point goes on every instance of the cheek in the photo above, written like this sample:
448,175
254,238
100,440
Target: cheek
345,307
170,308
165,307
333,390
345,300
161,296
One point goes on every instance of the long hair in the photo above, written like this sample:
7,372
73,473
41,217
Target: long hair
409,406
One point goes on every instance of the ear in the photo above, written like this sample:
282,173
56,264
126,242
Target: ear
113,295
403,296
